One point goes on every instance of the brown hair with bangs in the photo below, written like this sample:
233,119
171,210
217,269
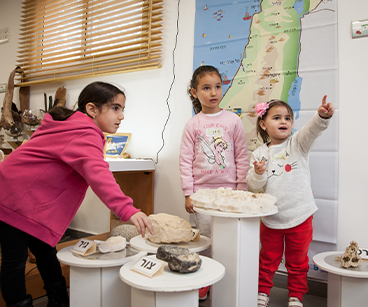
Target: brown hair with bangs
273,103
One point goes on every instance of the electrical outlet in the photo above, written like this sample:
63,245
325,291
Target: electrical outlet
4,35
3,88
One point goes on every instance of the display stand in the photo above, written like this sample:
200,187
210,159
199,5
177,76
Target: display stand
346,287
171,288
235,244
94,280
194,246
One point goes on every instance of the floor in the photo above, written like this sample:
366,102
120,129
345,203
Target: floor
279,298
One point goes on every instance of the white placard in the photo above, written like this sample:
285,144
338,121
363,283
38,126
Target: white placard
149,267
363,252
84,247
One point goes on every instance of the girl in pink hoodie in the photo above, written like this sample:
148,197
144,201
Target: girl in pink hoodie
43,183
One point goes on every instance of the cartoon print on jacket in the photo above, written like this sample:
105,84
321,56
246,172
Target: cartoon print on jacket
279,164
216,155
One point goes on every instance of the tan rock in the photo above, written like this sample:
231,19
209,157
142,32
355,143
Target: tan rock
169,228
350,258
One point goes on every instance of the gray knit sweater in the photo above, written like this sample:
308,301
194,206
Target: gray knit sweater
287,176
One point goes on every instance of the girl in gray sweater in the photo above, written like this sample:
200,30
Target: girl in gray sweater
280,167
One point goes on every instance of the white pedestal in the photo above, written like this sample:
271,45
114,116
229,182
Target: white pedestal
235,244
171,288
346,287
142,244
95,282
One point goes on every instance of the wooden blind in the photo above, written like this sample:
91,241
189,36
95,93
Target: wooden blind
73,39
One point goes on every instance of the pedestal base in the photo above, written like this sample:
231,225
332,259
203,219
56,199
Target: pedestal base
98,287
142,298
235,244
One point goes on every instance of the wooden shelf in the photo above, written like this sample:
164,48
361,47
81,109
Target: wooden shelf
139,186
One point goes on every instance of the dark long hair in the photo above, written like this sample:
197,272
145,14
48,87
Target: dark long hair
273,103
98,93
198,74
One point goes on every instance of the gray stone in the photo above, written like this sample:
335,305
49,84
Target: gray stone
126,231
179,259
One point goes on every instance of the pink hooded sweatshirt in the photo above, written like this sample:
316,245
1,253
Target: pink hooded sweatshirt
44,181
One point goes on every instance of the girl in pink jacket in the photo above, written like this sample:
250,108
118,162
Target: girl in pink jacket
44,181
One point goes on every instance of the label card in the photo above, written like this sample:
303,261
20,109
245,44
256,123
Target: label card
149,267
84,247
363,252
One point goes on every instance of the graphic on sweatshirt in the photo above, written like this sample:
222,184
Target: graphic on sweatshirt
215,155
279,164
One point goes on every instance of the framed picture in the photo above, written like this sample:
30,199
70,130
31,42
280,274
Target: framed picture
116,144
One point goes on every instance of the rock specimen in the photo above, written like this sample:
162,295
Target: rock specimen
179,259
126,231
112,244
350,258
169,229
228,200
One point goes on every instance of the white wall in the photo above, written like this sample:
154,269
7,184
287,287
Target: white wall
146,114
353,172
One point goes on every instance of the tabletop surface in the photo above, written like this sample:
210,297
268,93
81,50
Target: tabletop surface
125,165
327,262
194,246
210,272
99,260
233,214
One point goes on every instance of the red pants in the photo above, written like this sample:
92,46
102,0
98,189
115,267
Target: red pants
297,241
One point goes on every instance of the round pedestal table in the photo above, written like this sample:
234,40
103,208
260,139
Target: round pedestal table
235,244
143,244
94,279
171,288
346,287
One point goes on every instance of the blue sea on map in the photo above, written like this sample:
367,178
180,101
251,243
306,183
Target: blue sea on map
222,30
221,34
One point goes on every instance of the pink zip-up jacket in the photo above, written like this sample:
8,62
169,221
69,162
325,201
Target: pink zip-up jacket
213,153
44,181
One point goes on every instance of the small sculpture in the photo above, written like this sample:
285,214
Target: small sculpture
350,258
179,259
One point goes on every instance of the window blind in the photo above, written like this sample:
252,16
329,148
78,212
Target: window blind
72,39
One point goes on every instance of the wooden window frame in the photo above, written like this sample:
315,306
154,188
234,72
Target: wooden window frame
63,40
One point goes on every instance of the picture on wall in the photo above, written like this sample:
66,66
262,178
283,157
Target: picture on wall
116,144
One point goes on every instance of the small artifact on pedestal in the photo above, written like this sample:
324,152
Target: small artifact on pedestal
179,259
113,244
169,228
234,201
126,231
350,258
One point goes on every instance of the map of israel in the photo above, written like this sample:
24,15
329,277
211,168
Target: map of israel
257,46
279,49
